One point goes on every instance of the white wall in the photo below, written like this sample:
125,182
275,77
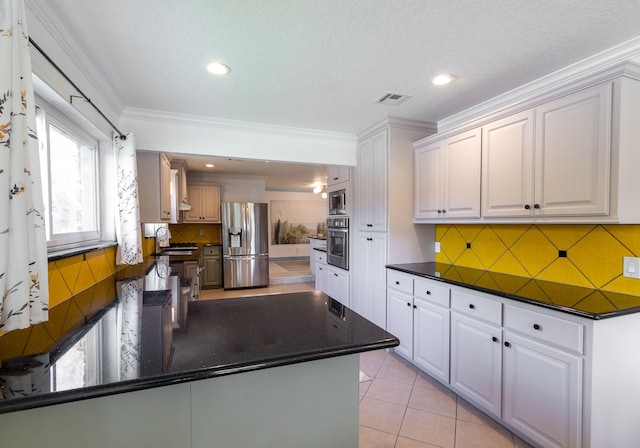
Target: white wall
291,250
190,134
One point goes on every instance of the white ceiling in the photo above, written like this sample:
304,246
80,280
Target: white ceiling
320,64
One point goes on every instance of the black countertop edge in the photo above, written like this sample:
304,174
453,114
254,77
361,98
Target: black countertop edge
174,378
552,306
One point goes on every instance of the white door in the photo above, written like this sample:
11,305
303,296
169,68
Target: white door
542,392
573,145
461,177
400,320
476,362
428,182
507,166
431,338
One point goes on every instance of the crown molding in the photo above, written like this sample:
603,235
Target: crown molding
172,118
51,20
399,123
594,69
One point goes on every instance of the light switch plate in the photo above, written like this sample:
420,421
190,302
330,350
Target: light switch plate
631,267
437,247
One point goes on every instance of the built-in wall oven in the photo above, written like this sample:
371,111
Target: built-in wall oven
338,242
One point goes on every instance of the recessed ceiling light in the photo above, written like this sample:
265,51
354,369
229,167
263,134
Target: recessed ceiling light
442,80
209,165
218,68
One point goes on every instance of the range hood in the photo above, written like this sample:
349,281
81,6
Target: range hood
183,206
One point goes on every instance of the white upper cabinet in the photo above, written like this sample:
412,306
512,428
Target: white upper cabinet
371,183
428,179
154,187
447,178
336,174
573,138
568,155
562,170
507,166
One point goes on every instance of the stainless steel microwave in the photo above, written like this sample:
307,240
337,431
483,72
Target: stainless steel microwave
338,202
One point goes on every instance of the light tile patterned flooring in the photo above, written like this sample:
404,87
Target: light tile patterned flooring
401,407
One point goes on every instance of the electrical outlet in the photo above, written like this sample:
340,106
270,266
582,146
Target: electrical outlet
437,247
631,267
201,232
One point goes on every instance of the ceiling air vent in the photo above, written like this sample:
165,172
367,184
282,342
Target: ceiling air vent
392,99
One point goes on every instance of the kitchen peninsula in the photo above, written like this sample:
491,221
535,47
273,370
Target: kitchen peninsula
272,371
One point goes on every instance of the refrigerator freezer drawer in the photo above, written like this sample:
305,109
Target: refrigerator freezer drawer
246,271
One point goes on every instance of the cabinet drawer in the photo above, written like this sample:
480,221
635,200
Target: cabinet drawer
431,291
399,281
320,256
210,251
548,328
477,305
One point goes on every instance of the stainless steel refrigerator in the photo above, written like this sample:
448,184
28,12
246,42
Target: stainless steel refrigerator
245,245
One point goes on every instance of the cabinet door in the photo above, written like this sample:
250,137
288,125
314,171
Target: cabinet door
507,166
165,187
322,279
195,198
184,195
573,138
213,271
461,175
431,338
400,320
339,281
337,174
476,362
542,392
369,292
428,182
211,203
371,183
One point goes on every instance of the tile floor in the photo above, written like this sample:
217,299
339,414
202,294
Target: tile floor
401,407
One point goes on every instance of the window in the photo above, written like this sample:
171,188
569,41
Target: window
69,169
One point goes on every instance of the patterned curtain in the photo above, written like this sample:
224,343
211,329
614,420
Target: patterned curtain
129,324
128,230
23,243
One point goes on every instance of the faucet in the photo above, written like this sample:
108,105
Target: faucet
159,232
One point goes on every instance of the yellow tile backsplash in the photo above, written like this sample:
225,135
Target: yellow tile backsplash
79,287
574,254
190,233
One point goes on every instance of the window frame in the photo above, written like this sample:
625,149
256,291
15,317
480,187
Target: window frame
51,116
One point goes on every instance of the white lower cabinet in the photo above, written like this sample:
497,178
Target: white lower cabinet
476,351
529,367
542,391
543,371
332,281
418,315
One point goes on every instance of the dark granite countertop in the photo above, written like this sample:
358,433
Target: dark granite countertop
585,302
116,351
